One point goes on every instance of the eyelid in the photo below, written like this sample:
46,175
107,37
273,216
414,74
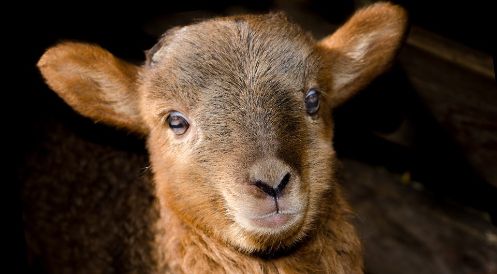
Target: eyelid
177,113
162,115
312,88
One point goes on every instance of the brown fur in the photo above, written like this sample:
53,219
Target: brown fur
241,83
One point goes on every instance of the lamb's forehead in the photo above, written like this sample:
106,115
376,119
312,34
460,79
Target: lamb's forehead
243,52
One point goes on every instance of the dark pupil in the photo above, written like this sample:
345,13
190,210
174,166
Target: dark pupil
312,102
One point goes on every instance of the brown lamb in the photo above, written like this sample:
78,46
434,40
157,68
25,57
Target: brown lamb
238,117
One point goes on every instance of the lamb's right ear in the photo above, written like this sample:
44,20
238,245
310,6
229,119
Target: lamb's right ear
95,83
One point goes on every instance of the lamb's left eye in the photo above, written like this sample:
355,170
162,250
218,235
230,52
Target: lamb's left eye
177,122
312,101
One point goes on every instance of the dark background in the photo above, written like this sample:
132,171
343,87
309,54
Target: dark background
433,155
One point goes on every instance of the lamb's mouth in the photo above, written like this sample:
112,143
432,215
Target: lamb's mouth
270,223
275,220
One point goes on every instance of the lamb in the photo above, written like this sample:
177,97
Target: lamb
237,112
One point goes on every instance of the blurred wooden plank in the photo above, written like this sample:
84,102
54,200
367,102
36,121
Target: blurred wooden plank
451,51
406,230
462,101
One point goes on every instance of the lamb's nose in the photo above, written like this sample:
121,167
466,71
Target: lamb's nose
269,190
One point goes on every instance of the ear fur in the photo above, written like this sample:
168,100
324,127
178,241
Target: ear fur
361,49
95,83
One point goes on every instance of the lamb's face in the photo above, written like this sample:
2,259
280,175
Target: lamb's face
237,111
240,137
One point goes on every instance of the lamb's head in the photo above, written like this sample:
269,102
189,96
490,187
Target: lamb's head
237,111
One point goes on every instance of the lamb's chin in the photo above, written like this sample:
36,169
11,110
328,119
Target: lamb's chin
271,233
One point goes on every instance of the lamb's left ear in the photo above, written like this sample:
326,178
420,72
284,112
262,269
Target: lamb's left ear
361,49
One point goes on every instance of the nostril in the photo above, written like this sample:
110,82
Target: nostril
281,186
266,188
269,190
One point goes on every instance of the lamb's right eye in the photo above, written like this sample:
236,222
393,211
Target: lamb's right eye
177,122
312,101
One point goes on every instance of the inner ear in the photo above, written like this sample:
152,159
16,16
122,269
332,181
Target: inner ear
361,49
154,55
